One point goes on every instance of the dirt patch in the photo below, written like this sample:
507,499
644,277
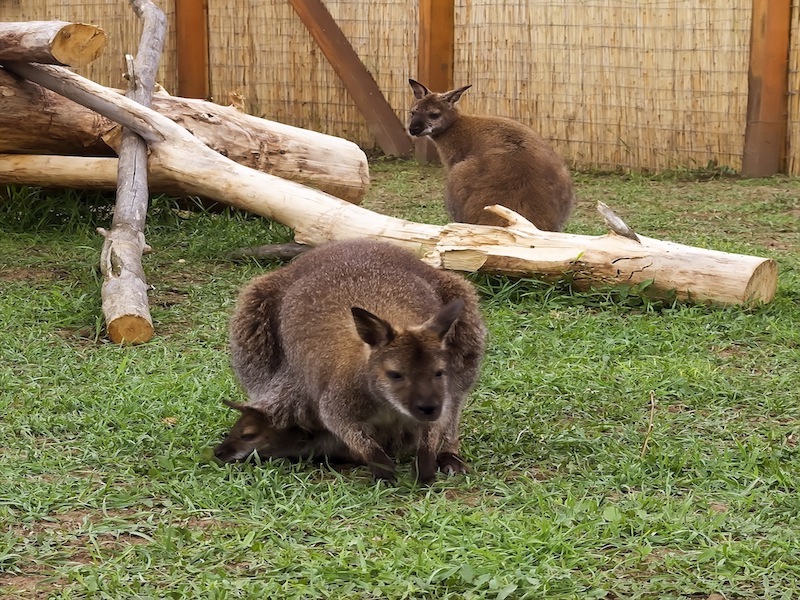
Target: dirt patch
29,585
33,274
169,297
467,498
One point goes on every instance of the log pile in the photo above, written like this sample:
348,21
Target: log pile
55,126
180,158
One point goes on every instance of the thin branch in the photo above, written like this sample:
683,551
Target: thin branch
615,222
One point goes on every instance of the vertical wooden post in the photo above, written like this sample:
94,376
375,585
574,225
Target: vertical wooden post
191,24
436,45
768,79
381,118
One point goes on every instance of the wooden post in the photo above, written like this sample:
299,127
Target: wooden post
767,102
436,45
389,132
191,26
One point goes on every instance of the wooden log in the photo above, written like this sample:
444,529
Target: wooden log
34,120
124,290
691,274
51,42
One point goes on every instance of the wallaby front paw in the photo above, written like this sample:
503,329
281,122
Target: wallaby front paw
381,469
384,476
451,463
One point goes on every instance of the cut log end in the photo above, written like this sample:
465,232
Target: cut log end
763,283
130,329
78,44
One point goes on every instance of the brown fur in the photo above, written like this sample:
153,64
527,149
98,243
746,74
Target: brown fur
356,351
492,160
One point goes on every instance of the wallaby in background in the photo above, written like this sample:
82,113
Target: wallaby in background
355,351
492,160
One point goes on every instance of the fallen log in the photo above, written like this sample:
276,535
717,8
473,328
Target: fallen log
691,274
51,42
35,121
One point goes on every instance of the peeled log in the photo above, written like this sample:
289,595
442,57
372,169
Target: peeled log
80,172
692,274
34,120
51,42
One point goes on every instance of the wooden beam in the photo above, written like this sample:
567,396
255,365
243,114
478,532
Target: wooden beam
765,137
191,25
384,124
436,45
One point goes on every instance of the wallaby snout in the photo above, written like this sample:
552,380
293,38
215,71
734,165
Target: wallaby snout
250,433
425,411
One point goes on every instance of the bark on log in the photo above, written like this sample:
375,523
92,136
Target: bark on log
52,124
124,291
692,274
51,42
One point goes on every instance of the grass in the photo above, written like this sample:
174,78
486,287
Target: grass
620,447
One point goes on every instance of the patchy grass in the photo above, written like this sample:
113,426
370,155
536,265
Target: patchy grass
620,447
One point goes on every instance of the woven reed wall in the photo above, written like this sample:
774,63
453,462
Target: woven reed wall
262,51
119,21
614,84
793,152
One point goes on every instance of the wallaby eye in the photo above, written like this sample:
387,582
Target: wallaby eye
394,375
435,115
439,374
248,436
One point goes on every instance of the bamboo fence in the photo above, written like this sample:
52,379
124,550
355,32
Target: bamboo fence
614,84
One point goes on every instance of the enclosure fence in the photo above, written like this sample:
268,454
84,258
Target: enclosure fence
613,84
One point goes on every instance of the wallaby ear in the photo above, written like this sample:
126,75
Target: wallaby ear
442,322
454,95
419,89
373,330
234,405
245,409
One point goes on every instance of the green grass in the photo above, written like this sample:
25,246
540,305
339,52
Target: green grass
107,489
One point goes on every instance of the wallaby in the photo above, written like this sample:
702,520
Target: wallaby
355,351
492,160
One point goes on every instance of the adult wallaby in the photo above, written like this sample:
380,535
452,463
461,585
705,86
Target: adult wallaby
492,160
355,351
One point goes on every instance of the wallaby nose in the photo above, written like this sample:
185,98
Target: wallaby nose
415,129
427,412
